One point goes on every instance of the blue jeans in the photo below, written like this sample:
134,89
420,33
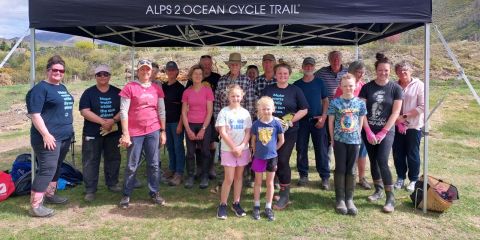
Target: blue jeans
176,150
148,143
320,146
92,150
406,154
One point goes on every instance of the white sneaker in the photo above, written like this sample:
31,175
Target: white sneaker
399,184
411,186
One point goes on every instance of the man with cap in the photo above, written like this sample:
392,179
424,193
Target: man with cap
313,124
332,74
268,76
173,90
100,106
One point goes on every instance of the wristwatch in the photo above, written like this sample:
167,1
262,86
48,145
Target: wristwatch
162,130
204,127
404,116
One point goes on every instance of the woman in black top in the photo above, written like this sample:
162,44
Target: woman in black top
291,106
384,100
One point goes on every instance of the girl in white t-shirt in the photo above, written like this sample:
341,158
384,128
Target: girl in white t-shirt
233,124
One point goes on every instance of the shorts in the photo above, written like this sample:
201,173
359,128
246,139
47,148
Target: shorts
262,165
363,151
229,160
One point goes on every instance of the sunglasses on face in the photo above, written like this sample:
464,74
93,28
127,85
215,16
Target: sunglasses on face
145,61
206,56
54,70
102,74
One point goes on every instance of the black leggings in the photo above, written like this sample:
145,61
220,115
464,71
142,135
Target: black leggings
345,158
378,155
204,148
49,163
284,172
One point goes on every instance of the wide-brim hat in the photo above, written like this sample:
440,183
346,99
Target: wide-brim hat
235,58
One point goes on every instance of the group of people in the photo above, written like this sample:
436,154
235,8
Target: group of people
255,124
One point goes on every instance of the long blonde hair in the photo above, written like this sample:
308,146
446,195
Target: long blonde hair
264,101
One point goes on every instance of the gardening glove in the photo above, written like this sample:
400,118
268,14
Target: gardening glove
381,135
284,124
402,128
370,136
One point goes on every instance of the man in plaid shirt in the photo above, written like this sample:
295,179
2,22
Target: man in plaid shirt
268,76
234,63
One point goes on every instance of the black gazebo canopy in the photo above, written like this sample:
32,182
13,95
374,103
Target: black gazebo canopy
155,23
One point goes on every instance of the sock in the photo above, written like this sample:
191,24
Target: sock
256,203
268,205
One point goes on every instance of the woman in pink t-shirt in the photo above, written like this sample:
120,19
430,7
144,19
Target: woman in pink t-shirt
142,114
197,109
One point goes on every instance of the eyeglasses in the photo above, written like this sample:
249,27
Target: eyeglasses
206,56
102,74
54,70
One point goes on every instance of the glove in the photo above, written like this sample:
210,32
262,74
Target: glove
370,136
381,135
284,124
402,128
105,132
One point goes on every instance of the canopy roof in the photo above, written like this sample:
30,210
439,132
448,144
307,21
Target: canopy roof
166,23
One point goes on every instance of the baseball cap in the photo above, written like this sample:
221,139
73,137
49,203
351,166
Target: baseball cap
102,68
171,65
308,60
268,57
144,62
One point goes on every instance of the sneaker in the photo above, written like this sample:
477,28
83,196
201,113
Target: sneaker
124,202
55,199
411,186
325,184
238,210
114,188
269,214
363,183
256,213
399,184
303,181
203,183
189,182
176,180
89,197
157,199
41,211
222,212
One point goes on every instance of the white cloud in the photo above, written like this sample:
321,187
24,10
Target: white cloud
13,18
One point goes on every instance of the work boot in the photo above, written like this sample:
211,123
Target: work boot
339,181
325,185
378,194
349,189
51,197
389,206
189,182
37,209
303,181
203,183
176,180
284,199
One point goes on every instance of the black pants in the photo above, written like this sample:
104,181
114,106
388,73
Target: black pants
204,148
49,163
345,158
283,169
378,155
92,150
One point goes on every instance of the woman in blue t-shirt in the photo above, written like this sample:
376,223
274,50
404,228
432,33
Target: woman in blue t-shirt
291,106
384,100
50,107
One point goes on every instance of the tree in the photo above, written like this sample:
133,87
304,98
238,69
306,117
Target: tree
3,46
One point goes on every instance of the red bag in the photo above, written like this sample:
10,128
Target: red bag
7,187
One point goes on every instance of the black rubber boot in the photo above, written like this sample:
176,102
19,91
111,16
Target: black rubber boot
378,194
389,206
284,200
339,181
349,189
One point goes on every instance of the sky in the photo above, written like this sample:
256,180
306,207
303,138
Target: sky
13,18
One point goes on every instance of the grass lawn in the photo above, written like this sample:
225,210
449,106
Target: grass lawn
190,214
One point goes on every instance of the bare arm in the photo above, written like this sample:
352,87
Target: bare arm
397,106
39,124
225,137
281,140
331,121
299,115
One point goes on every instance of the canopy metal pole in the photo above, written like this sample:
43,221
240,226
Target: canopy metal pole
357,52
133,63
32,83
426,111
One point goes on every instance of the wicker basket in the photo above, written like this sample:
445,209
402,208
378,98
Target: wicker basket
435,202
